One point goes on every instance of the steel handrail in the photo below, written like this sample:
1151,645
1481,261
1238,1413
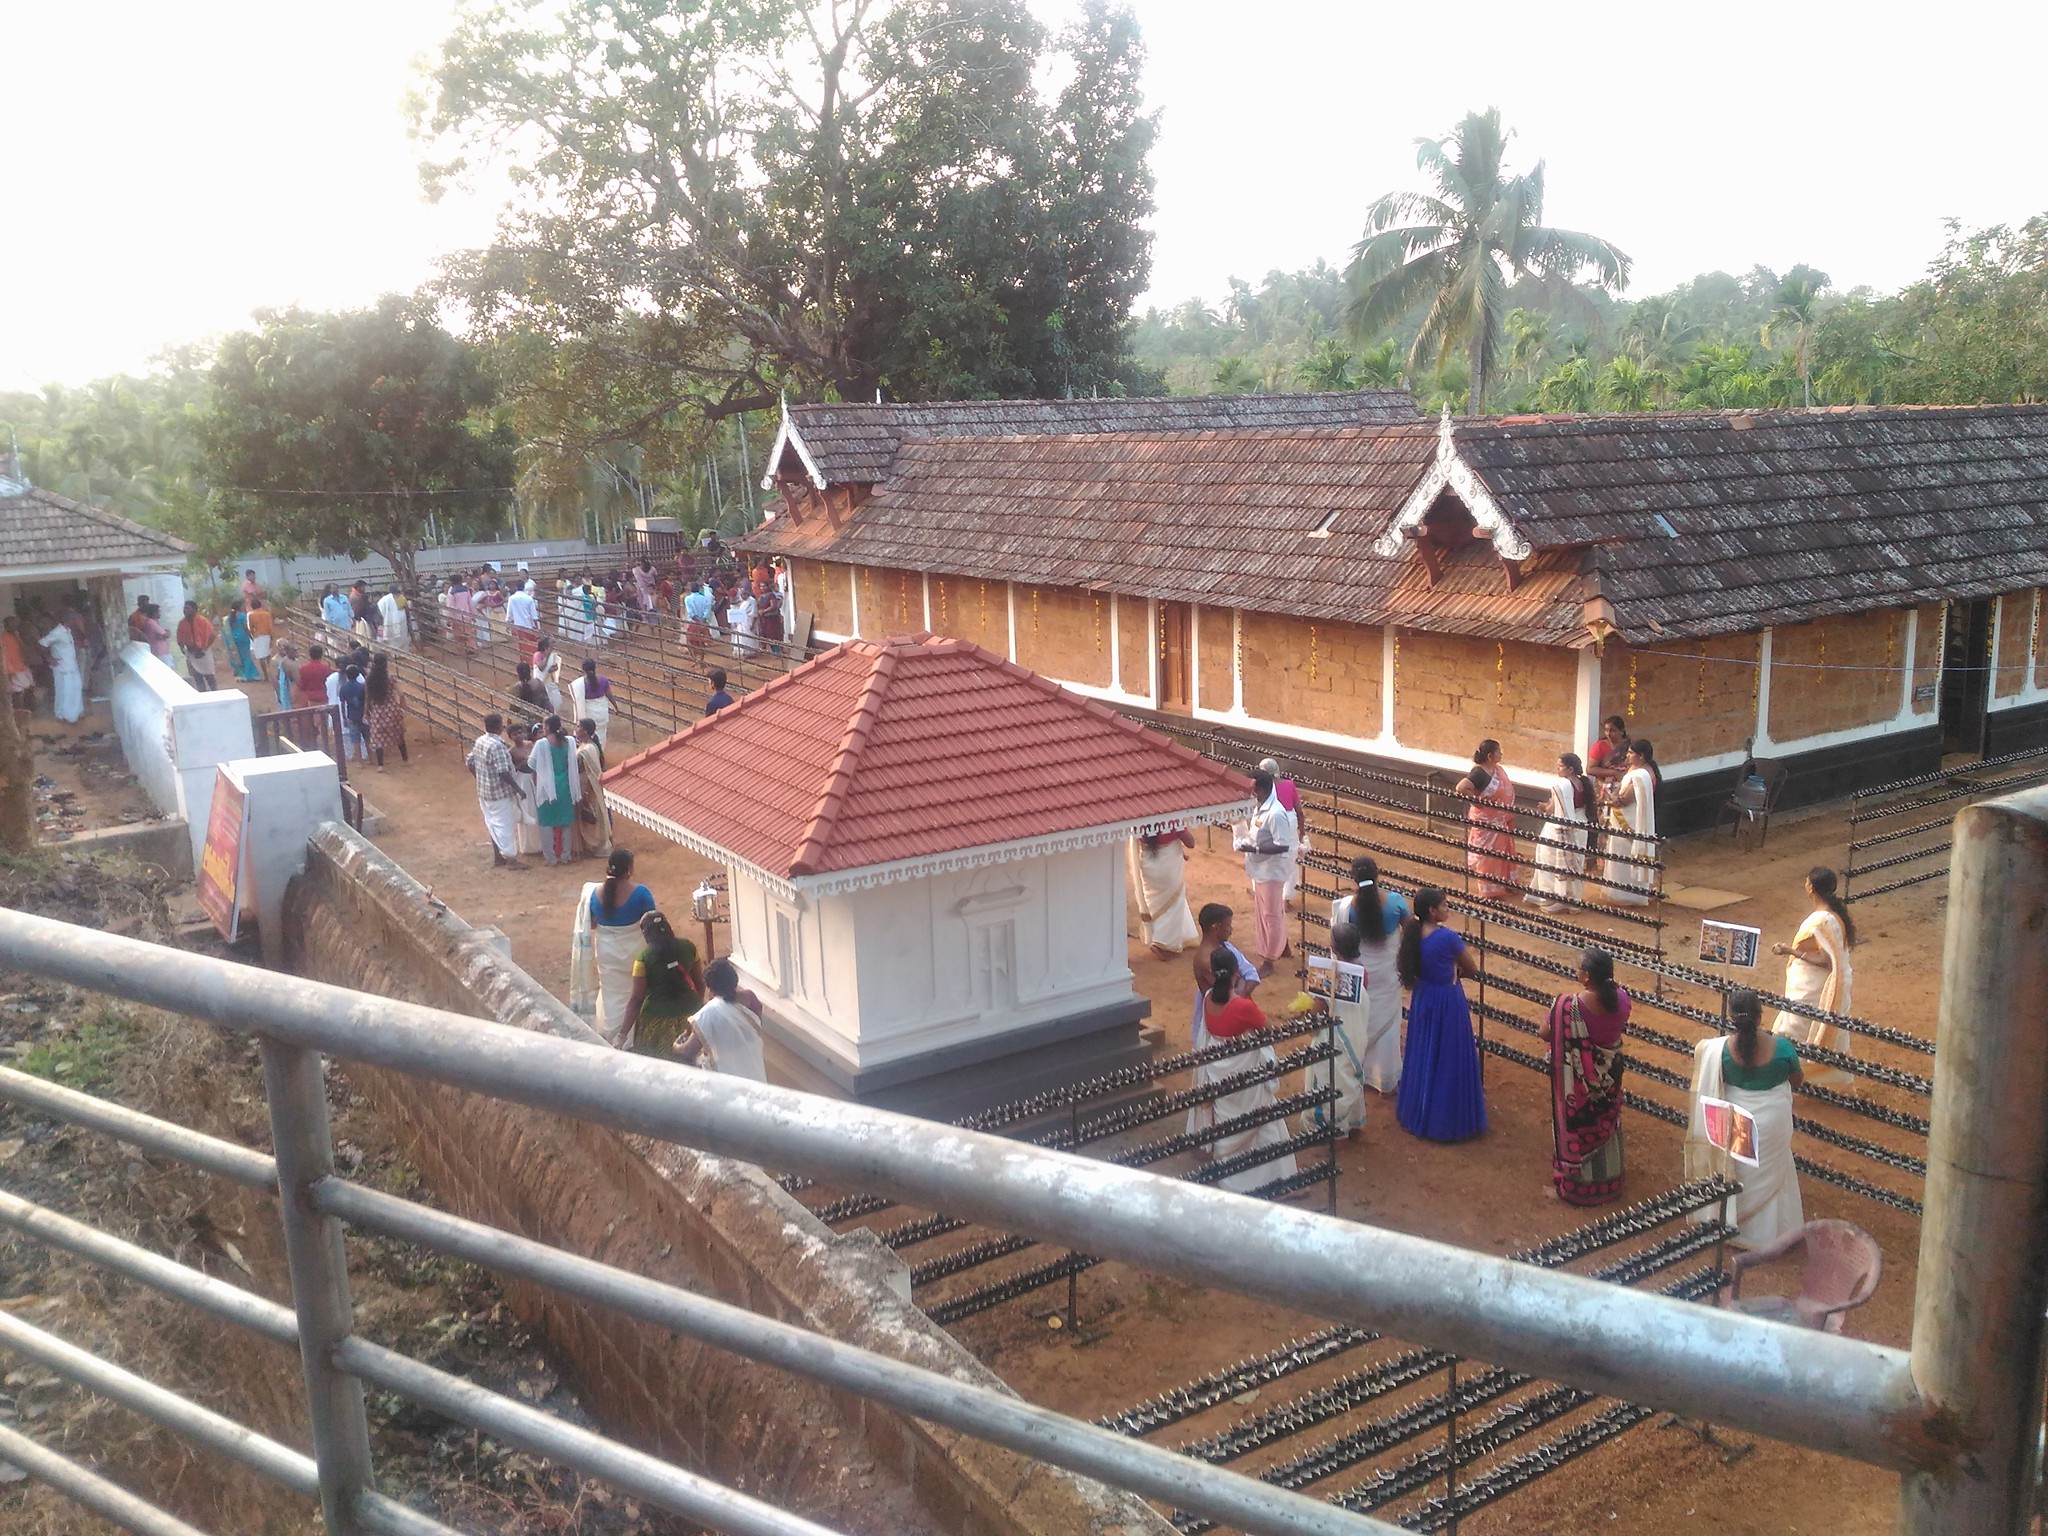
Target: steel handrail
1822,1391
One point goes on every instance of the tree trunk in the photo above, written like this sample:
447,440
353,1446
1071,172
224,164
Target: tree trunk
1475,399
17,782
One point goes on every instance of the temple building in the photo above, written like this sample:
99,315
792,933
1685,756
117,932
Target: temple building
1852,592
924,847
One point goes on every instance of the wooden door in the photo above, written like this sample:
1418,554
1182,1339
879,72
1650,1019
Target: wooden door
1177,658
1966,678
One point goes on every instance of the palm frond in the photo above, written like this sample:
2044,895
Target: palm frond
1377,305
1407,208
1563,252
1377,255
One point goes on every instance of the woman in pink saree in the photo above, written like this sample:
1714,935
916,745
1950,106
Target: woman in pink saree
1490,834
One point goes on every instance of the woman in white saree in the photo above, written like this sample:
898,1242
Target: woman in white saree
1561,846
1755,1072
1377,913
1633,811
1227,1015
1159,879
1819,975
604,943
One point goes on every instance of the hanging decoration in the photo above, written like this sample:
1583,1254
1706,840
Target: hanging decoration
942,606
1098,623
984,609
1631,683
2034,637
1500,669
1703,677
1237,648
1313,657
1397,669
903,597
1034,613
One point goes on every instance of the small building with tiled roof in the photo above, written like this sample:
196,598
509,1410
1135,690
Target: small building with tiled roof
925,850
56,551
1853,592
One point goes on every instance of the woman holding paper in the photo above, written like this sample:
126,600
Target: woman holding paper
1377,913
1753,1072
1818,974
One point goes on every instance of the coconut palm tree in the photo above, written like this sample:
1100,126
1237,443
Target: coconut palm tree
1794,304
1455,251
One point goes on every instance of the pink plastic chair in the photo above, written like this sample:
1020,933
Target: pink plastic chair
1843,1266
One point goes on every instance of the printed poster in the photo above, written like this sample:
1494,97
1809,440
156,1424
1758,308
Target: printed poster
223,861
1731,1128
1335,981
1729,944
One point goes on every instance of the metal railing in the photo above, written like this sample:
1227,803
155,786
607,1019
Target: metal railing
1959,1416
1898,830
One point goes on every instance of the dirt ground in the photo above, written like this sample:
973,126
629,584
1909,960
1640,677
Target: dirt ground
1143,1334
1489,1194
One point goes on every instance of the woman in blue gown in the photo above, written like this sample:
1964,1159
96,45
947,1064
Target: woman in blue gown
1441,1099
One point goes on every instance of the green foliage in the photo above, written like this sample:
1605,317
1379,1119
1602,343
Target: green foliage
347,433
127,444
88,1054
1452,252
737,197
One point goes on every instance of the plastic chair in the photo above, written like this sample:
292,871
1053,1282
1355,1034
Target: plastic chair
1843,1266
1754,797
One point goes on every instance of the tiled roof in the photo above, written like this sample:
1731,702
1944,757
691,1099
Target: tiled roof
39,529
1776,517
912,748
855,444
1689,523
1278,522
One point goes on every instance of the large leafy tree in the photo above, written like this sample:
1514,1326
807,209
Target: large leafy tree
723,199
1454,251
347,433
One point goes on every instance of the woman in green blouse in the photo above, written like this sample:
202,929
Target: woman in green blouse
1756,1071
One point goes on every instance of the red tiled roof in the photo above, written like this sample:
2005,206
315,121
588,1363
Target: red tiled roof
915,747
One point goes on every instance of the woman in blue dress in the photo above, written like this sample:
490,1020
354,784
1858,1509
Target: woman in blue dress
1441,1098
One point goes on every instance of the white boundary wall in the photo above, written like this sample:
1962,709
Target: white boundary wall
174,736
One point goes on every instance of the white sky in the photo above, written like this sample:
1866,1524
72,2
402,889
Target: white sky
175,167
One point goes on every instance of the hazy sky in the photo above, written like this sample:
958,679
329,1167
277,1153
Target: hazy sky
175,167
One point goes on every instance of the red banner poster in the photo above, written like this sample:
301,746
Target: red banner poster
221,860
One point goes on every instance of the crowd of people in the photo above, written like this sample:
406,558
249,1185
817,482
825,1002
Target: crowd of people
51,655
1395,945
1597,841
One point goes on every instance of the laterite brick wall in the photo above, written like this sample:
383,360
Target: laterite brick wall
968,608
1927,647
1325,676
2015,632
1836,674
1454,692
1064,634
1690,699
891,603
824,589
716,1226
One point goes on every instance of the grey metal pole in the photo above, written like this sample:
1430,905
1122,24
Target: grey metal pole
297,1090
1829,1393
1977,1318
109,1500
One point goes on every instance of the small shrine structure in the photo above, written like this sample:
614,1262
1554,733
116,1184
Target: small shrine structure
925,851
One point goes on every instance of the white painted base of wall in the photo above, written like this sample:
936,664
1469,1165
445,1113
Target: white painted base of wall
174,736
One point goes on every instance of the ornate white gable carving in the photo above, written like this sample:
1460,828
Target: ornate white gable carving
1450,472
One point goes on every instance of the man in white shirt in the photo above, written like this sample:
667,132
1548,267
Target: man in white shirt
724,1029
1268,848
522,612
391,608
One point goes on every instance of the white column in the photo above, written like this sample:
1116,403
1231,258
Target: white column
853,586
1237,661
1997,634
1010,601
925,581
1586,701
1763,694
1116,650
1194,658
